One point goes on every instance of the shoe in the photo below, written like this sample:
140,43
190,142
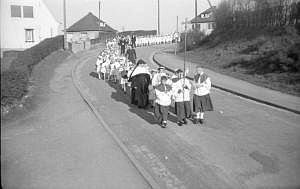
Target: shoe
196,121
179,123
201,121
185,121
164,125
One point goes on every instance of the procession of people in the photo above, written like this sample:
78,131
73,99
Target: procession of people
155,89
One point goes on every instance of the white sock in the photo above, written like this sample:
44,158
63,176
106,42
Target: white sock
197,115
201,115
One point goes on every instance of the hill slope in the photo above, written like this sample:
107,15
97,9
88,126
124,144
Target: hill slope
265,57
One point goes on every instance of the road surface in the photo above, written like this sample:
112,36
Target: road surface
243,144
58,142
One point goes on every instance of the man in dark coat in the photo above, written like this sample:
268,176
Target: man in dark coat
131,54
133,41
122,44
140,80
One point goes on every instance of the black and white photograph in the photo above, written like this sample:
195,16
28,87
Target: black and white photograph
150,94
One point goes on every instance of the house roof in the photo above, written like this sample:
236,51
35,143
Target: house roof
209,10
90,23
198,19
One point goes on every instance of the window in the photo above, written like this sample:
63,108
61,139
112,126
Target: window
15,11
27,11
29,35
209,26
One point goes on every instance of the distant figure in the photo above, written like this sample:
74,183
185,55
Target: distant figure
133,41
122,44
131,54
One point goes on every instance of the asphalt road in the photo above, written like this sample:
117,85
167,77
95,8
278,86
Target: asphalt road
57,142
243,144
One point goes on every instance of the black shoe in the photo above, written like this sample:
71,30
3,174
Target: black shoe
196,121
179,123
164,125
201,121
185,121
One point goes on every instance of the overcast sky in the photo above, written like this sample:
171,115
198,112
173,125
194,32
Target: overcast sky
130,14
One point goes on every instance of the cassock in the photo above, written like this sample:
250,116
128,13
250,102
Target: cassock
140,80
131,55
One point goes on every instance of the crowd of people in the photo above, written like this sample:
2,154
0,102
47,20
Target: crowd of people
140,41
155,88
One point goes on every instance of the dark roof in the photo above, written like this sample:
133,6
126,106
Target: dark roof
211,9
198,19
90,23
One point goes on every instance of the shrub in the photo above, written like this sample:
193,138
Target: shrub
14,81
193,40
13,85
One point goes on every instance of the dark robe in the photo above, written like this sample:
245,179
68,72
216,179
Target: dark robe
139,94
131,55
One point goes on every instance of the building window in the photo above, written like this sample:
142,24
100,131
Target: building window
29,35
15,11
211,25
27,11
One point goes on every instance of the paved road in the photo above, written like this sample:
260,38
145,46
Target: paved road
58,143
242,144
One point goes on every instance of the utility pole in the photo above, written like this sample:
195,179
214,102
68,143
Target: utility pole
176,24
196,9
65,26
158,19
184,61
176,35
196,13
99,19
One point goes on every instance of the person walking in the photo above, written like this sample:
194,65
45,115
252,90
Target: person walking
181,88
163,100
201,99
131,54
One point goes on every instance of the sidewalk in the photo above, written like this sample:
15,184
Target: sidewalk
60,143
236,86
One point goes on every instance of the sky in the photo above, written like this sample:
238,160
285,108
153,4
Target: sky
130,14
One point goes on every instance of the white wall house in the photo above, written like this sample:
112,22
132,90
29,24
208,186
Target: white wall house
204,22
25,23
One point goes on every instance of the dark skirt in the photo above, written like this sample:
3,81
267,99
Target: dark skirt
183,110
202,103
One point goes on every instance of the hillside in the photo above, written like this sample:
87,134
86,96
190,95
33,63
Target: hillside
265,57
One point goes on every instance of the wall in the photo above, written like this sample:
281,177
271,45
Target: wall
13,29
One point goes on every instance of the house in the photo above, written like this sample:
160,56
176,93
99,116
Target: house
89,27
205,21
25,23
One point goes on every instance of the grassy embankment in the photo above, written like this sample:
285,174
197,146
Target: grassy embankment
15,77
269,57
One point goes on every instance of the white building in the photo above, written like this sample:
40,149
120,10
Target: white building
204,22
25,23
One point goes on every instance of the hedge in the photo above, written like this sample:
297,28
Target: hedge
14,82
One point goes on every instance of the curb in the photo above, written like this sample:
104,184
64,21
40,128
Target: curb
232,91
142,171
